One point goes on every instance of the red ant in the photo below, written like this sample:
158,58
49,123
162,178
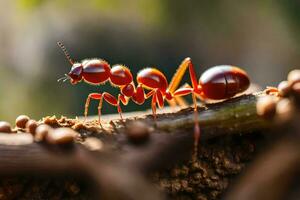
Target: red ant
219,82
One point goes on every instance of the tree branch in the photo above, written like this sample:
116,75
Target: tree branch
172,132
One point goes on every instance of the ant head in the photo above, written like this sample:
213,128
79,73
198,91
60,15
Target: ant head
76,73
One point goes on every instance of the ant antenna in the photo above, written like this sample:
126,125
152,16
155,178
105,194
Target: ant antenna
63,48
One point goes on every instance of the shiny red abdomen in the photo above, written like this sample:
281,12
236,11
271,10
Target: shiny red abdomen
225,81
120,75
152,79
95,71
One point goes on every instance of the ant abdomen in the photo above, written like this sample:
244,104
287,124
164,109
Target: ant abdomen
222,82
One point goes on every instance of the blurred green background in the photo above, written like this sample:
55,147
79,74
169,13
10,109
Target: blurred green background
262,36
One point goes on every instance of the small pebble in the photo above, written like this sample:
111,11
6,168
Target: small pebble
296,87
93,144
294,76
5,127
31,126
266,107
284,88
21,121
41,132
138,132
61,136
284,109
296,92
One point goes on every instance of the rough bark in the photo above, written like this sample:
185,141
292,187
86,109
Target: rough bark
230,135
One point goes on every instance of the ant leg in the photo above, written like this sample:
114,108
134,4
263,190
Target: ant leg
159,99
113,101
139,95
86,107
87,103
185,91
149,94
196,127
153,105
123,99
181,101
99,109
120,112
177,77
